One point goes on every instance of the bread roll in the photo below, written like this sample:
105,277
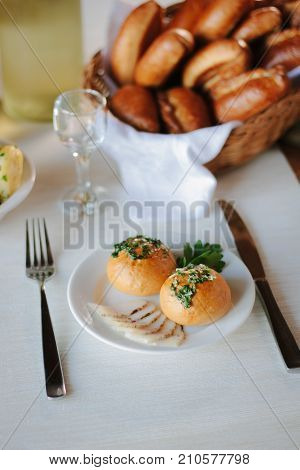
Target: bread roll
140,265
163,57
195,296
248,94
284,49
219,60
258,23
220,17
136,106
279,38
138,31
188,14
292,11
182,110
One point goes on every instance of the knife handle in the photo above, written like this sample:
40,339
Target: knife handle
285,340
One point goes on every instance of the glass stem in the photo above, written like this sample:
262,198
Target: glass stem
82,162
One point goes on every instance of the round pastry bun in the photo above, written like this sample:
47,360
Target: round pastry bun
136,106
211,301
141,276
182,110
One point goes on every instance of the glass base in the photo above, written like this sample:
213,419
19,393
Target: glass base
80,200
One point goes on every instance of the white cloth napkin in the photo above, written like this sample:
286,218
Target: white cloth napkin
158,166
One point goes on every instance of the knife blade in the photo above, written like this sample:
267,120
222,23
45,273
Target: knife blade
250,256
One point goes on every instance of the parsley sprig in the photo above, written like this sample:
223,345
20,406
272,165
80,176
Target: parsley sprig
209,254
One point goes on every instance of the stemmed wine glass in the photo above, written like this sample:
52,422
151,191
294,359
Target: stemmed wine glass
79,119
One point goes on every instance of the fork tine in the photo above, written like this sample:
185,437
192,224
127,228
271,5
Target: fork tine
35,261
41,245
49,253
28,258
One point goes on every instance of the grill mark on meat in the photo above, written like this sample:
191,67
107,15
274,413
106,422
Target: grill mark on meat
138,309
151,327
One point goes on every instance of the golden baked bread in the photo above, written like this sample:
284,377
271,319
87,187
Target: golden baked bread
139,29
187,14
136,106
195,296
182,110
162,57
283,49
249,93
219,60
220,17
292,11
258,23
140,265
279,38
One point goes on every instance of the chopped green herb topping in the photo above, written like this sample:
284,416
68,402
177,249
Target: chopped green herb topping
138,247
4,177
184,284
2,154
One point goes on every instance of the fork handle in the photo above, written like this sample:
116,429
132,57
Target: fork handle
55,384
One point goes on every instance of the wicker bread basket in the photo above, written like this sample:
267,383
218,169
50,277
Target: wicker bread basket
254,136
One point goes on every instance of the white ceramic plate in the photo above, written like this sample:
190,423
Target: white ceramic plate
28,180
88,283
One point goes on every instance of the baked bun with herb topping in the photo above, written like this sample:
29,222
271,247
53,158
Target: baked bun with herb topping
195,295
140,265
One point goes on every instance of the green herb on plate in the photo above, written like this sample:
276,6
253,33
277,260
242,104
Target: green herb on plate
209,254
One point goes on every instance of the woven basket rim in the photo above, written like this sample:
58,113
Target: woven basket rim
241,139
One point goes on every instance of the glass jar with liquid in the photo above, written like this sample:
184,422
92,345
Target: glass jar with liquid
41,54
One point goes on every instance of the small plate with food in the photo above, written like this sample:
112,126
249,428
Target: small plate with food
17,176
144,297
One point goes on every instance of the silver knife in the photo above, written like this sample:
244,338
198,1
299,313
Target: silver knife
249,254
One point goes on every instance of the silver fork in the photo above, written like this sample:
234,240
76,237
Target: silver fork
41,269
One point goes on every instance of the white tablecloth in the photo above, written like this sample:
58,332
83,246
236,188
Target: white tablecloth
235,395
229,395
